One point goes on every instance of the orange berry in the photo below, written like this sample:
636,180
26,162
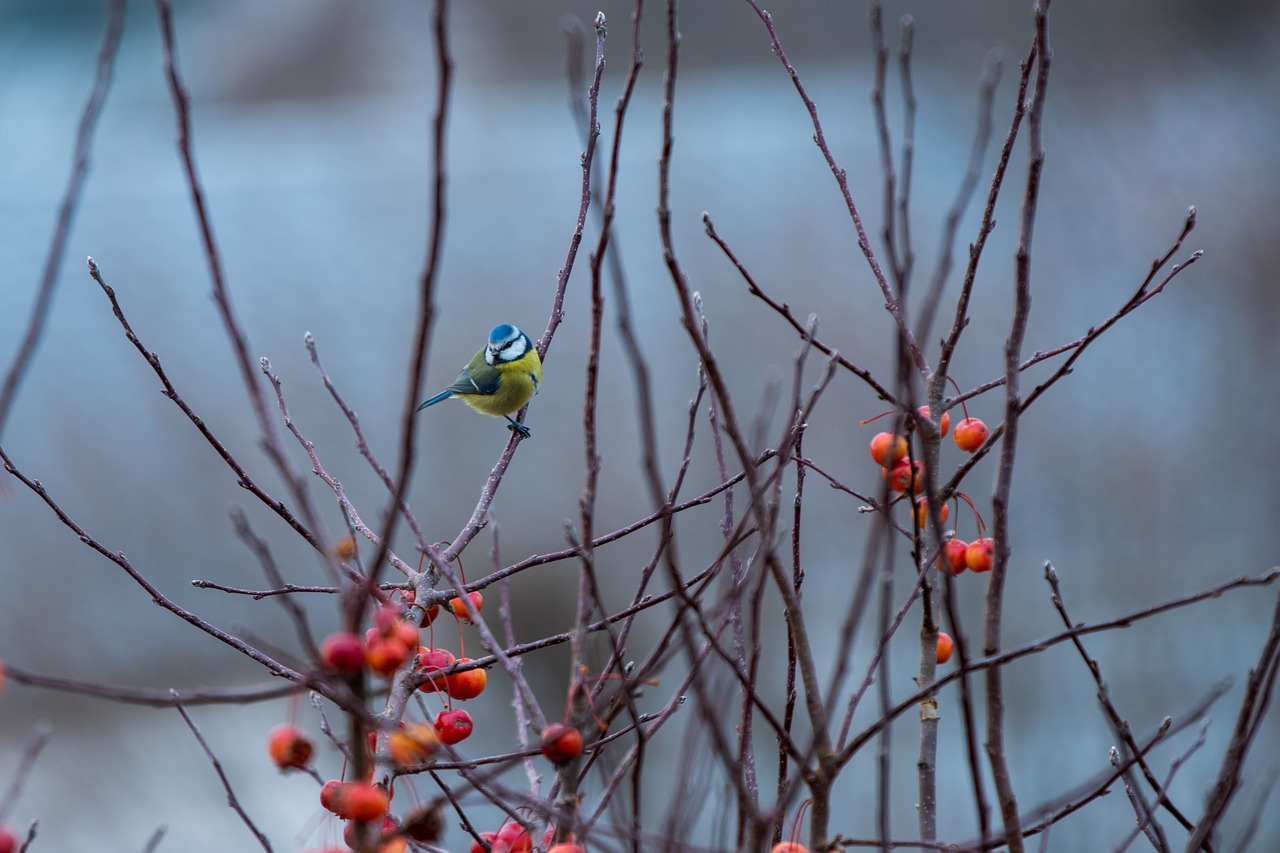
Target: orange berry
365,801
460,609
466,685
288,747
561,743
407,634
953,553
566,847
970,433
945,646
345,547
922,512
789,847
412,745
385,656
887,448
979,553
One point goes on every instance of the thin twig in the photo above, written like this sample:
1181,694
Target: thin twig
154,698
892,303
1258,692
242,477
1118,724
1006,657
66,209
232,801
36,742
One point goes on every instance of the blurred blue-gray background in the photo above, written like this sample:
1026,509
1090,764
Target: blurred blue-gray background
1148,474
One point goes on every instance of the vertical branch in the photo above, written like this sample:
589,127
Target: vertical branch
66,210
884,747
961,317
969,717
427,280
607,250
417,355
995,744
797,578
888,231
567,773
907,257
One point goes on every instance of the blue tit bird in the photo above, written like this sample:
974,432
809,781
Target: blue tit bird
500,378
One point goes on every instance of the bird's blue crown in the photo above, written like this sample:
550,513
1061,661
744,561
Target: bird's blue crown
502,334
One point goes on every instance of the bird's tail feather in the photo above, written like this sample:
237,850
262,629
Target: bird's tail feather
443,395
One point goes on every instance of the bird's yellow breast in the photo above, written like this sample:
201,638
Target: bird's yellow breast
517,383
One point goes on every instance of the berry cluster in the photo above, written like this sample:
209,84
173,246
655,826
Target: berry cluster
905,475
390,648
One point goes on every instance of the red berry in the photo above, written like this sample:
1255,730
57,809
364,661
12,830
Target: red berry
887,448
945,646
561,743
970,433
453,726
979,553
434,661
906,476
954,556
466,685
385,619
333,797
566,847
514,837
288,747
388,830
8,841
789,847
342,652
